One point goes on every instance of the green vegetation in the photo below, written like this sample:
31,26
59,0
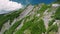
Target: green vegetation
43,8
14,15
10,17
13,27
51,22
32,23
3,20
53,28
57,14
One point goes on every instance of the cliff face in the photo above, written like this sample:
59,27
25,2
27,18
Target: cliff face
39,19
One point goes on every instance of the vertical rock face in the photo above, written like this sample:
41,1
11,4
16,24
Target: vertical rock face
5,27
32,10
22,15
26,11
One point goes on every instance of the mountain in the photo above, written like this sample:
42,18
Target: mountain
38,19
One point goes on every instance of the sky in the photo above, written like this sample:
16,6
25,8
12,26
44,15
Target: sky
33,2
10,5
7,6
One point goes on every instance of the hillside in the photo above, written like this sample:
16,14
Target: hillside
37,19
